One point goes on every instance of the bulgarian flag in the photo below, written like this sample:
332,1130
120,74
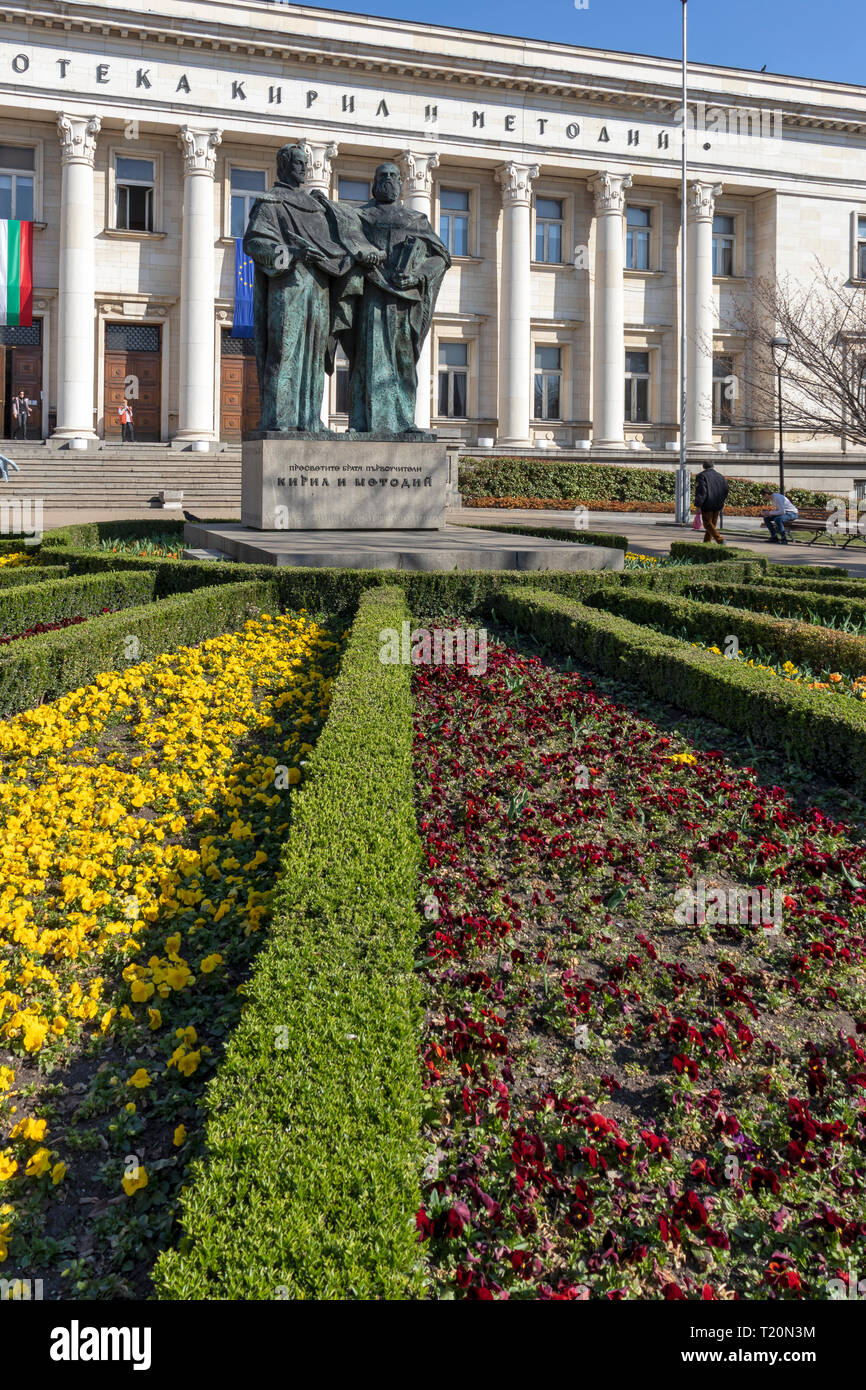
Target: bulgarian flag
16,273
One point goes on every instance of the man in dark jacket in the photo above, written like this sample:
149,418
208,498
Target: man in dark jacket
711,490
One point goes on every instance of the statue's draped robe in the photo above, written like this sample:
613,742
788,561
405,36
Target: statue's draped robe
292,305
382,332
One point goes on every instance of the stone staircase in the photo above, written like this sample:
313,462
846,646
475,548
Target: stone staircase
114,479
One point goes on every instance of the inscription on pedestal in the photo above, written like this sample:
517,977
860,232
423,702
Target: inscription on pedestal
334,485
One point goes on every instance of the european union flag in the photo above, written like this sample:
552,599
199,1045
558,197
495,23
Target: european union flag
242,323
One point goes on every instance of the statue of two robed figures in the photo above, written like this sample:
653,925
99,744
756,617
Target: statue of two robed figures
327,274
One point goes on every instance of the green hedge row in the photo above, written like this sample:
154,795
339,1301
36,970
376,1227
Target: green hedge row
824,649
699,553
337,591
13,575
41,668
310,1182
825,731
63,597
846,587
563,480
811,607
557,533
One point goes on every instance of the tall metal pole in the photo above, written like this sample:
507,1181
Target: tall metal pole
781,438
683,489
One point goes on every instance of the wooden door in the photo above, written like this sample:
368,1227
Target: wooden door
27,374
145,369
240,399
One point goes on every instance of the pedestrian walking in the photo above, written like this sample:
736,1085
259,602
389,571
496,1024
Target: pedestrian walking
125,416
711,491
22,409
5,465
782,511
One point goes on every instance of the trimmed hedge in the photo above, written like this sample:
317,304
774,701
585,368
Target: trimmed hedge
785,573
792,603
310,1182
841,588
13,575
560,479
699,553
825,732
555,533
825,649
43,667
55,598
337,591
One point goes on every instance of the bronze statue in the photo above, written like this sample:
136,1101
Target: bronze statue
292,238
365,278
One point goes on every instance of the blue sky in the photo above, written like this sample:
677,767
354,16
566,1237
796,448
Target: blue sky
808,38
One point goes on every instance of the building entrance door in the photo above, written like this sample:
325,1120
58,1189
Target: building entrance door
240,400
133,370
21,369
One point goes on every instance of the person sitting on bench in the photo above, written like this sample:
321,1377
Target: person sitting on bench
783,510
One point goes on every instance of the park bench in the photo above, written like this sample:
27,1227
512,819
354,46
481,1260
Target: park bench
812,521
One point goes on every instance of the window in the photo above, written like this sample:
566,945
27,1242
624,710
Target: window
637,238
724,390
861,248
17,163
548,230
132,337
341,381
133,199
548,383
454,379
637,384
723,244
353,190
454,220
246,185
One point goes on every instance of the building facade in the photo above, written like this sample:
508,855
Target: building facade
136,141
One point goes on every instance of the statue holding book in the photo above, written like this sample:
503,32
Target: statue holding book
327,274
382,329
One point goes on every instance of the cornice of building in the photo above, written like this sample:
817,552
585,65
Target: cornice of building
311,38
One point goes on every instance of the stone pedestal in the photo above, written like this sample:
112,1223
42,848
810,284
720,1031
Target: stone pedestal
309,484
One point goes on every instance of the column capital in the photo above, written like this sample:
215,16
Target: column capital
199,149
609,191
516,180
417,170
77,136
319,157
702,201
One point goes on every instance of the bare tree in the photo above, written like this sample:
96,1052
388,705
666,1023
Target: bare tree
824,379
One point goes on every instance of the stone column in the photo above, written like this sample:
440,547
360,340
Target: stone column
319,174
319,158
515,363
608,339
196,393
417,170
699,255
75,307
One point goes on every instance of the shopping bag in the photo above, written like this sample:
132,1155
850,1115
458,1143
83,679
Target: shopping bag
697,524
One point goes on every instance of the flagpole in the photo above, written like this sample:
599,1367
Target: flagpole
683,482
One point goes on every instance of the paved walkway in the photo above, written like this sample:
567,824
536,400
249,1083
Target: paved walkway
653,535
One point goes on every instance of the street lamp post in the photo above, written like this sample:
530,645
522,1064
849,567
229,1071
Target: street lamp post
683,491
780,347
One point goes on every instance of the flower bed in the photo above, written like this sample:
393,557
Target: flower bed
38,629
15,558
622,1105
826,735
143,818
